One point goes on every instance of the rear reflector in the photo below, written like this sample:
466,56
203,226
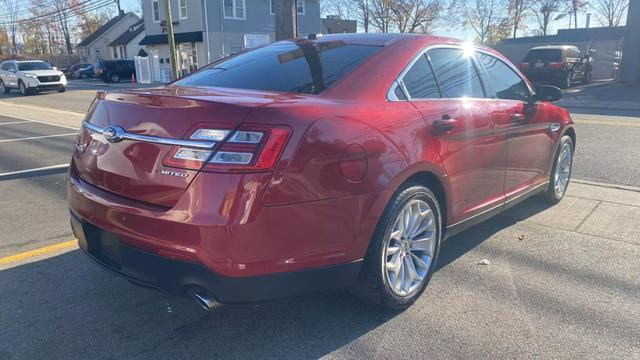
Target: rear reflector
524,65
556,65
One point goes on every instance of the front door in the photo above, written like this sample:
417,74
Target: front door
528,134
471,142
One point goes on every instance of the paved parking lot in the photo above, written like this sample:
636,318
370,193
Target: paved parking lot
562,282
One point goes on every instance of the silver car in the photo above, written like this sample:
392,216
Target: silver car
30,77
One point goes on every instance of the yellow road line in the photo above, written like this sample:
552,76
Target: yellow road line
66,245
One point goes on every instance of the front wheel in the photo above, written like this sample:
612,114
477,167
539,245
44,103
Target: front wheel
62,89
403,251
561,173
23,89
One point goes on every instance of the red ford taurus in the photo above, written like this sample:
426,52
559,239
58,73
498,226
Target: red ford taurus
305,165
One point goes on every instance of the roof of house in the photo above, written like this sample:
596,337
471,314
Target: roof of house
101,30
126,37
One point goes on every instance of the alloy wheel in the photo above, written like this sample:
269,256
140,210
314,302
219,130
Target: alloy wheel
563,169
409,248
23,88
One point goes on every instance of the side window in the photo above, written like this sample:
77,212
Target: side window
4,67
419,80
506,83
455,73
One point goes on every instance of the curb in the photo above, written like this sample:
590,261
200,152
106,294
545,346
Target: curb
607,185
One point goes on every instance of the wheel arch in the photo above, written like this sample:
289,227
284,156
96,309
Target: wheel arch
571,132
434,183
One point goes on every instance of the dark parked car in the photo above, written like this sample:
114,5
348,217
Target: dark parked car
113,71
560,65
85,72
72,69
305,165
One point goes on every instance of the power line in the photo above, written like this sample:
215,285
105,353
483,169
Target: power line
70,11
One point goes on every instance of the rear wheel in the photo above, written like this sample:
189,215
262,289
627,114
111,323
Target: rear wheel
403,251
4,89
561,173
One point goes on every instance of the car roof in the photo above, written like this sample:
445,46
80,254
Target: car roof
380,39
553,47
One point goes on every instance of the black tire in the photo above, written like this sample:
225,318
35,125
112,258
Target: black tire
372,285
565,81
551,194
62,89
24,90
4,89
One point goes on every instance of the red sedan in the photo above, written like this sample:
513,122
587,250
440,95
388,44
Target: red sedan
307,165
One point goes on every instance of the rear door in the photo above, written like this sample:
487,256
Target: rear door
444,85
528,136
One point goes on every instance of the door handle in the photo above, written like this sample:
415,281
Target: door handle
517,118
444,125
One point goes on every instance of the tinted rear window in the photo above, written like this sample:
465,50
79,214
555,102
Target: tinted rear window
544,55
301,67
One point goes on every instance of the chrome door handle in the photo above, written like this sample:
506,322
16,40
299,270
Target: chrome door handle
444,125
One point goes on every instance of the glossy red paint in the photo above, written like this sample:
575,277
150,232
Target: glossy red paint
348,149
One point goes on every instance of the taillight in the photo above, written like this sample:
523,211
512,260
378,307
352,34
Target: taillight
524,65
556,65
250,148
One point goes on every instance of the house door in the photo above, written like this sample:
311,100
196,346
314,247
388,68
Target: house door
187,58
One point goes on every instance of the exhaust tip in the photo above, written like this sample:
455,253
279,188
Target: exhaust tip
204,300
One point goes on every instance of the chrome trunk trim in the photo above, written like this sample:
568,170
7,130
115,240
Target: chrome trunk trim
199,144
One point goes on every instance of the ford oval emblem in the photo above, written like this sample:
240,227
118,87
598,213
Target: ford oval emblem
113,134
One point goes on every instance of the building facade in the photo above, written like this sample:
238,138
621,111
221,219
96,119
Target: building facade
207,30
97,45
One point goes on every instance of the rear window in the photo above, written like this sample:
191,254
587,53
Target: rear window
544,55
299,67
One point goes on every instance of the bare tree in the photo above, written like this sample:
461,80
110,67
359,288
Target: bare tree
364,13
610,12
415,15
381,14
342,8
12,12
485,17
519,10
545,12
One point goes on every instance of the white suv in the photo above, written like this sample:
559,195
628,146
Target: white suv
30,77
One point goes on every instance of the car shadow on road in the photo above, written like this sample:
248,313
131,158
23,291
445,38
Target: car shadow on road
68,304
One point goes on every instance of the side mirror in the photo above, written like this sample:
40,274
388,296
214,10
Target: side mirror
548,93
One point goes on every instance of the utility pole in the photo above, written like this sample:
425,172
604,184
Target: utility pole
286,19
172,41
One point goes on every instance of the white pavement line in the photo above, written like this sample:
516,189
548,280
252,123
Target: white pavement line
52,167
15,122
607,185
41,122
37,137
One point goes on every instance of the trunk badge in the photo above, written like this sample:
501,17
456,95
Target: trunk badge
113,134
174,173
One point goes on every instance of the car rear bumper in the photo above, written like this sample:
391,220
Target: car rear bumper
179,277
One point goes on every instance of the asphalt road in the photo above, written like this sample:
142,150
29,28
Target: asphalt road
547,293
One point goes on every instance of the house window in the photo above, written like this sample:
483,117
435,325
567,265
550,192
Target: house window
115,52
156,10
234,9
183,9
299,6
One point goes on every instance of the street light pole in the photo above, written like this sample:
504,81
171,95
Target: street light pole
172,42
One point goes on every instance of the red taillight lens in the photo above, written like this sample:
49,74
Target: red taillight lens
556,65
250,148
524,65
